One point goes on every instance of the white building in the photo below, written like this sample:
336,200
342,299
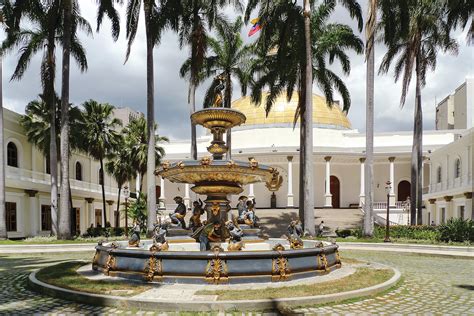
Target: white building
338,153
28,184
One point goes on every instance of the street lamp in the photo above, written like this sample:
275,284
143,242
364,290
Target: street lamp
388,188
126,195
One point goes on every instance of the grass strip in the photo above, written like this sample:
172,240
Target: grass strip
65,275
362,278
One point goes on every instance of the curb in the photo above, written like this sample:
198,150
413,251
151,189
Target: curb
170,305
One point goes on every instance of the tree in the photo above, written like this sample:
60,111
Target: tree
194,18
107,7
154,24
416,50
230,59
46,24
121,169
460,12
283,67
100,136
136,143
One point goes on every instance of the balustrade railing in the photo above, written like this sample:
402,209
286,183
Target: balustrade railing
44,178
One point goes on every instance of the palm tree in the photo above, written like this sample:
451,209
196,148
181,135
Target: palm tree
100,136
46,22
107,7
154,24
136,142
460,12
416,50
283,67
231,59
194,18
120,167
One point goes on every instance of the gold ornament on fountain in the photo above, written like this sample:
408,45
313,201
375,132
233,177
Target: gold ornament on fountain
253,163
215,209
206,161
180,165
275,183
165,165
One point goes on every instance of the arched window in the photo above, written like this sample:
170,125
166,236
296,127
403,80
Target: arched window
78,171
457,168
101,175
12,155
438,175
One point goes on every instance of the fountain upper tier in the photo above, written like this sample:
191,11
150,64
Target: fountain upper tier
214,175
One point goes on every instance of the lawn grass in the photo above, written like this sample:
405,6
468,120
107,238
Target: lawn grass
65,275
362,278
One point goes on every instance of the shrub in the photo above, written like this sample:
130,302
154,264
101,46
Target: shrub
343,233
457,229
419,232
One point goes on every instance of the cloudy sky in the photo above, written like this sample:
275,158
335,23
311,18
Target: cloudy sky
108,79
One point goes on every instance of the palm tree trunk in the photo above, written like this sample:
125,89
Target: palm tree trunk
192,95
227,104
308,193
53,149
102,175
150,172
3,214
140,187
73,213
369,121
117,217
300,177
65,207
419,139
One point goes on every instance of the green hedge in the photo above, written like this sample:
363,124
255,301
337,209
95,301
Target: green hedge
455,230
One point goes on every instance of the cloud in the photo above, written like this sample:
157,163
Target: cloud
108,79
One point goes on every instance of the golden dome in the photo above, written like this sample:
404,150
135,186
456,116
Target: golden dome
283,112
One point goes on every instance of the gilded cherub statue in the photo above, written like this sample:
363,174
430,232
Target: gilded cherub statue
219,98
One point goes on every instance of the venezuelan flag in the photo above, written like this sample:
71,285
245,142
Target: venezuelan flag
256,26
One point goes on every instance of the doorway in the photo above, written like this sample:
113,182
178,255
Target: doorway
335,191
403,190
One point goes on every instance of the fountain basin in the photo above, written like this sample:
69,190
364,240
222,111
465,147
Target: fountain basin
186,264
218,117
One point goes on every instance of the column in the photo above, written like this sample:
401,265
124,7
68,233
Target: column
362,182
162,199
90,212
328,195
34,213
449,207
186,196
137,183
290,202
251,194
111,216
392,180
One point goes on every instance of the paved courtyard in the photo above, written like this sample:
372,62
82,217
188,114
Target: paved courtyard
436,285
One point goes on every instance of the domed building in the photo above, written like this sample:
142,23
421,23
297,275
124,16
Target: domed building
338,152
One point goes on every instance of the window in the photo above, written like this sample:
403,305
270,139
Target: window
457,168
78,171
98,218
47,166
461,212
12,155
438,175
101,176
10,209
78,219
45,217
